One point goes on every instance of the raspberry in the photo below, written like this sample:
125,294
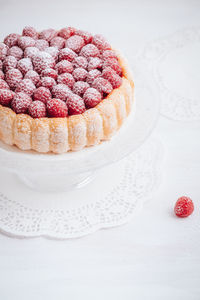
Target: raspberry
49,73
53,51
85,35
89,50
67,54
114,64
58,42
30,31
16,52
42,61
75,43
64,66
25,41
3,84
1,75
75,105
109,54
24,65
102,85
92,75
57,108
80,87
1,64
33,76
66,32
42,94
41,44
80,62
100,42
39,84
47,34
26,86
66,78
94,63
11,40
48,82
61,91
109,74
91,97
29,52
184,207
21,102
3,51
80,74
9,62
13,77
37,109
6,96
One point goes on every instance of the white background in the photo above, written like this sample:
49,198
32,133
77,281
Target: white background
156,256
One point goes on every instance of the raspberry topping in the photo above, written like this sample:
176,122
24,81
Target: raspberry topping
21,102
92,75
47,34
49,73
24,65
3,84
75,43
66,32
91,97
29,52
58,42
80,62
30,31
6,96
94,63
48,82
64,66
11,40
37,109
42,94
102,85
53,51
114,64
3,51
42,61
16,52
9,62
33,76
100,42
184,207
112,76
1,75
25,41
75,105
57,108
80,87
67,54
89,50
80,74
26,86
13,77
61,91
41,44
85,35
67,79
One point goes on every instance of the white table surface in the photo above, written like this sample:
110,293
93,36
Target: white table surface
156,256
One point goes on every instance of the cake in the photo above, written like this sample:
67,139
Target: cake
61,90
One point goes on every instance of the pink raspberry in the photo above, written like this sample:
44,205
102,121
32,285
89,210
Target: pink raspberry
85,35
109,74
89,50
13,78
26,86
11,40
6,96
3,51
109,54
38,84
80,62
75,105
25,41
114,64
92,75
16,52
67,54
91,97
53,51
21,102
100,42
80,87
30,31
48,34
41,44
3,84
80,74
61,91
50,73
1,64
30,52
33,76
37,109
94,63
102,85
42,61
66,78
1,75
75,43
9,62
42,94
57,108
48,82
184,207
24,65
58,42
64,66
66,32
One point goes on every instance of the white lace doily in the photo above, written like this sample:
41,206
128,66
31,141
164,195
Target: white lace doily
175,62
26,213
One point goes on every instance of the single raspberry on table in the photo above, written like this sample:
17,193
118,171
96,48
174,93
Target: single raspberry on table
94,63
48,34
80,87
58,42
66,32
42,94
4,84
24,65
85,35
41,44
57,108
66,78
13,77
75,43
64,66
26,86
53,51
50,73
61,91
9,62
33,76
80,74
16,52
92,75
11,40
48,82
80,62
1,74
102,85
25,41
29,52
91,97
89,50
30,31
37,109
114,64
184,207
109,74
3,51
67,54
100,42
21,103
6,96
75,105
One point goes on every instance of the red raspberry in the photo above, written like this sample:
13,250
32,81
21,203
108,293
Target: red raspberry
66,32
184,207
3,51
109,74
38,84
16,52
53,51
1,63
25,41
114,64
80,87
11,40
24,65
6,96
80,62
9,62
37,109
80,74
30,31
67,54
94,63
26,86
13,78
109,54
75,43
100,42
33,76
21,102
91,97
92,75
58,42
66,78
50,73
75,105
61,91
64,66
1,75
48,34
42,94
42,61
29,52
102,85
3,84
89,50
48,82
85,35
57,108
41,44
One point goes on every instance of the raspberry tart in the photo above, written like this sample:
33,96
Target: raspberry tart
61,90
